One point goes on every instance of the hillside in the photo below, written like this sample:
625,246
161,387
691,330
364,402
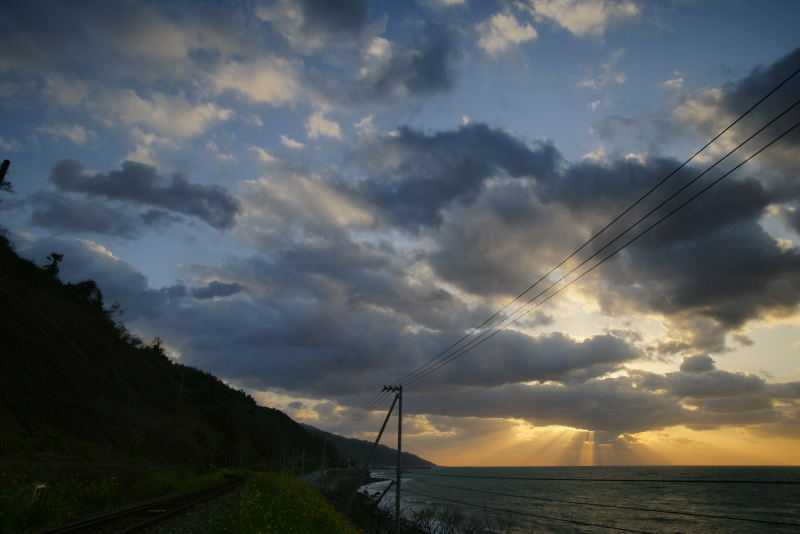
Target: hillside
77,386
356,451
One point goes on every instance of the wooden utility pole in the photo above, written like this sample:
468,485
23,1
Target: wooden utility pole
399,398
324,446
371,451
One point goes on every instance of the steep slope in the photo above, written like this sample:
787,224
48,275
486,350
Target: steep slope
76,385
355,451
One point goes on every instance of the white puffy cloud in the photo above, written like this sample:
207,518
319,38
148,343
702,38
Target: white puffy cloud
262,155
282,200
585,17
173,115
74,132
502,31
270,81
318,125
366,127
379,48
288,142
9,144
610,74
148,146
67,91
674,83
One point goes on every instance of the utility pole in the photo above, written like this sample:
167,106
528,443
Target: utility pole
324,446
399,398
303,462
371,452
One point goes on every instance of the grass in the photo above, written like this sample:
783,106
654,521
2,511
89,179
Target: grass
267,503
271,503
66,496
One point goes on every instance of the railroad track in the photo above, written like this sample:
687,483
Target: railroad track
143,516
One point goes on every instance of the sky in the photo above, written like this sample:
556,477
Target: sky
312,198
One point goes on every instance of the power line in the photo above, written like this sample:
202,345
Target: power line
647,480
527,514
443,354
443,357
480,339
620,507
361,413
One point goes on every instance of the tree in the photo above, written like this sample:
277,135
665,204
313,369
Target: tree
52,267
5,185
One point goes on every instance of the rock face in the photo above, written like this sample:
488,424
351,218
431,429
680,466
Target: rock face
356,451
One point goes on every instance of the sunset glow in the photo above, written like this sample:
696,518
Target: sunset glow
313,200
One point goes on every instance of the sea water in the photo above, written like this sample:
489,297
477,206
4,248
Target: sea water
690,500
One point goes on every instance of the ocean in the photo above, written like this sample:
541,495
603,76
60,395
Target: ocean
689,500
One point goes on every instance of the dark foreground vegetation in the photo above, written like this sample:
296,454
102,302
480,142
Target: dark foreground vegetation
92,418
355,451
32,496
75,385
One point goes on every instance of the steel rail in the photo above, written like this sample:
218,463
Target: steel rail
154,511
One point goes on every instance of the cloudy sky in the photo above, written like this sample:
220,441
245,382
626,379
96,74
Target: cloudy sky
311,198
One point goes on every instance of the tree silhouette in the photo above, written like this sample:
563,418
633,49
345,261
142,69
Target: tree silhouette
5,185
52,267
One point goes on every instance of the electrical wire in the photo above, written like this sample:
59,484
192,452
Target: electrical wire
527,514
578,479
510,319
619,507
442,354
360,413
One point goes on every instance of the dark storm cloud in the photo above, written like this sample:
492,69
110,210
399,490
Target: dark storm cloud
327,347
305,328
697,364
216,289
714,383
111,39
641,402
740,95
316,326
429,68
65,213
60,212
610,405
498,213
710,111
142,184
514,357
788,390
714,260
792,218
118,280
601,188
413,175
639,133
333,16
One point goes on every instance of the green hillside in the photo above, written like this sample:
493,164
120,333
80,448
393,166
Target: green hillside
355,451
77,386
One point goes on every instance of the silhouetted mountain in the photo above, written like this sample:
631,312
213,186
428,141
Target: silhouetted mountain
76,385
356,451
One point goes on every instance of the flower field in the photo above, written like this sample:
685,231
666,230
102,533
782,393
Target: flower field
271,503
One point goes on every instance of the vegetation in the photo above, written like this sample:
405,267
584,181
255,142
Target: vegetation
356,451
28,503
76,385
279,503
